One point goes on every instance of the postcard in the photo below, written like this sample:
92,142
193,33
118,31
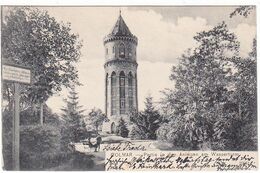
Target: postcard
128,87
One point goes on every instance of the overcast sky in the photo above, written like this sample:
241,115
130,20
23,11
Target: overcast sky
164,33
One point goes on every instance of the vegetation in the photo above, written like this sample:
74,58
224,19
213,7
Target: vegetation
121,129
243,11
74,127
32,38
212,106
40,147
145,123
95,119
211,100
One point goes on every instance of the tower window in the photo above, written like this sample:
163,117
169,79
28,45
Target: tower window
130,90
106,51
114,49
122,92
122,50
106,92
113,93
129,51
131,103
122,103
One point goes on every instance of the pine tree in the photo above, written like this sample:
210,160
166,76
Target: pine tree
73,122
147,121
121,129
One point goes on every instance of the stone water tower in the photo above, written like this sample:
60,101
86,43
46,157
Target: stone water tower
120,73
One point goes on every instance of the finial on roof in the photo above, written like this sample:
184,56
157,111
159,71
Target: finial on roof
120,11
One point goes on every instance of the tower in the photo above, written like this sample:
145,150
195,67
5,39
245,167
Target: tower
120,73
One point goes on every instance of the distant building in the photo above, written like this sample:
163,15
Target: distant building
120,74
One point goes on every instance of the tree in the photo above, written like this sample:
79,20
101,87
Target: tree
147,121
96,118
32,38
245,101
121,129
29,116
73,119
202,87
243,11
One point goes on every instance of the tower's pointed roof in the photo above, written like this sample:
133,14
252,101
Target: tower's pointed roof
120,31
120,28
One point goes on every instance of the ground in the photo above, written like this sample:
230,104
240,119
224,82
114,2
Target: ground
113,141
110,142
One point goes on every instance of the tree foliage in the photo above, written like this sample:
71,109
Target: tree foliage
29,116
74,126
121,128
40,147
96,118
205,101
243,11
145,122
33,38
29,122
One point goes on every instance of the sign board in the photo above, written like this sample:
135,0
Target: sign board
16,74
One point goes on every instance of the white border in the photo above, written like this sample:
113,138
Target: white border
128,2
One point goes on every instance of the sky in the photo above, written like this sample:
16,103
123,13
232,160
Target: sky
164,33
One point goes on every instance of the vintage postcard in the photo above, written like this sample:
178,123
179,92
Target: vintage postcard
102,88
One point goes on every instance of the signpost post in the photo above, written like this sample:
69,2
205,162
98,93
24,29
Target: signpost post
16,75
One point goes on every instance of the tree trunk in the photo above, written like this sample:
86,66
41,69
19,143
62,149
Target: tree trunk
41,113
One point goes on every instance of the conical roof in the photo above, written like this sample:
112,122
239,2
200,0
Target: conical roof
120,28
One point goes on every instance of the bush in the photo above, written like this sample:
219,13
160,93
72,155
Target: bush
174,132
40,147
147,121
137,134
81,161
122,129
7,127
248,137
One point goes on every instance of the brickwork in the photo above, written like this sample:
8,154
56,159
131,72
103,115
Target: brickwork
120,58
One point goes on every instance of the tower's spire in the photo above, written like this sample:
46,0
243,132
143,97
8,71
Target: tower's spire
120,28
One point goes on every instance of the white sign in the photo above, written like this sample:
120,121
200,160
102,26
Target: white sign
16,74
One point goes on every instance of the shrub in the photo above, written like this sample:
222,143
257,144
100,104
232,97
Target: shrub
40,147
7,127
137,134
122,129
81,161
248,137
147,121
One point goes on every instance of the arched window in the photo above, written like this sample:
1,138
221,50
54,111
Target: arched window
129,51
114,49
122,92
130,90
122,50
113,128
113,93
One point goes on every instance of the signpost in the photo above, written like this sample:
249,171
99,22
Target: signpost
17,75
